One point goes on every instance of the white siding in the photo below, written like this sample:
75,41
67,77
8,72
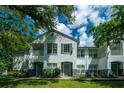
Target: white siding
103,61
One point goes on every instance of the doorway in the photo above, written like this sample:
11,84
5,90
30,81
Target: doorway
38,69
117,68
66,69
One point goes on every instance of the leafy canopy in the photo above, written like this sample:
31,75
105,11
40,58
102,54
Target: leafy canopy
16,32
111,30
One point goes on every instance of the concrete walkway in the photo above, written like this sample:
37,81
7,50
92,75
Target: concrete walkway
72,78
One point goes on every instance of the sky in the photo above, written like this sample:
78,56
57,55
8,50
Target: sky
85,17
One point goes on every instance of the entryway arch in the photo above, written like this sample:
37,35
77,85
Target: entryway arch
117,68
38,69
66,68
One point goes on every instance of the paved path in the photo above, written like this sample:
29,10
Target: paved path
72,78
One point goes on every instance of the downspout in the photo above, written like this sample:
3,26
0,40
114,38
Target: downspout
86,61
108,53
30,57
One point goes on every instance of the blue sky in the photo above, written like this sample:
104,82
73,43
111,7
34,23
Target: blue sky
85,17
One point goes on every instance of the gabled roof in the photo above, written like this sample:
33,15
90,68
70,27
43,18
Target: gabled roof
60,34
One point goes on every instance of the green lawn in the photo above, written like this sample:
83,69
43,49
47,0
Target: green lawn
59,84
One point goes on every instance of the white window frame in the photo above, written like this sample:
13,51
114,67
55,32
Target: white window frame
53,48
80,53
117,49
93,67
51,65
81,69
93,53
66,48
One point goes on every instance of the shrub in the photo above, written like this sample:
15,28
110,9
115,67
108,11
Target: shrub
51,73
56,72
18,74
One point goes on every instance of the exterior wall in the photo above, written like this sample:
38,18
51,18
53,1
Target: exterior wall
19,61
102,58
116,58
103,61
57,58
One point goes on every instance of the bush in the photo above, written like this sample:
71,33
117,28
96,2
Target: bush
18,74
56,72
51,73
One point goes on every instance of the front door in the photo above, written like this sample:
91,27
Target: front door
67,69
38,69
115,68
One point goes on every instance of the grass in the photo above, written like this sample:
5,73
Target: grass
6,83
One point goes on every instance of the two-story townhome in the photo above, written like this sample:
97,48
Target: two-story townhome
57,50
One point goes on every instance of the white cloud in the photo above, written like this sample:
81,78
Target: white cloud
84,12
83,38
95,18
90,42
82,30
82,15
86,41
64,29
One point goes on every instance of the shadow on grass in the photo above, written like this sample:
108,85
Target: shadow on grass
110,84
113,84
11,83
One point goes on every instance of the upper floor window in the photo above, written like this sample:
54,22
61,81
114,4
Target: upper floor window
66,48
52,48
38,49
93,53
80,53
116,49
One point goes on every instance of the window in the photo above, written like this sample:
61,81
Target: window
52,65
93,53
116,49
80,53
66,48
38,52
52,48
93,67
80,69
38,49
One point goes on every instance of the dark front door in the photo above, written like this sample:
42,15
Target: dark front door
38,67
67,69
115,68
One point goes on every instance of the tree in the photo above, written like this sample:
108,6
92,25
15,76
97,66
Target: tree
45,16
16,33
111,30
